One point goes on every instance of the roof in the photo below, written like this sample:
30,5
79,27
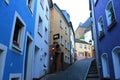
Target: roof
86,24
60,11
67,16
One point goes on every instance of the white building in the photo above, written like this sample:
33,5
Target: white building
42,32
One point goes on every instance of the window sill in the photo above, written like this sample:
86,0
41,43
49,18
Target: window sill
16,48
112,25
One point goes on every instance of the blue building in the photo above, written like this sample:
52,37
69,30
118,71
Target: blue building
17,20
106,30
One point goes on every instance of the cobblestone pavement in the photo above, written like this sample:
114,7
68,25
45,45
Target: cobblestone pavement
78,71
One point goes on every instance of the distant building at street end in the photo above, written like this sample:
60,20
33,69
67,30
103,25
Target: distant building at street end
84,31
84,50
106,27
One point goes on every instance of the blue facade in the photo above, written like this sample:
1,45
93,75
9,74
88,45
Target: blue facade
110,39
14,60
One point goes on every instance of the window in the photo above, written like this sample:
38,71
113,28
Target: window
40,26
65,30
16,76
110,15
30,5
80,45
100,28
47,13
7,1
42,4
60,23
62,40
3,51
81,54
89,47
18,34
66,44
85,47
15,79
46,35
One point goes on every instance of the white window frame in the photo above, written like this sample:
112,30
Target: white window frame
15,75
22,36
109,22
3,48
100,27
31,6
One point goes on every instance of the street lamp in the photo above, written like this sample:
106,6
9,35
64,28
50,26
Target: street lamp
90,42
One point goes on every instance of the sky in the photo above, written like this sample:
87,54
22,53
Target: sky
77,9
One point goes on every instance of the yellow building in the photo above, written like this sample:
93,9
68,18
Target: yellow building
83,49
59,33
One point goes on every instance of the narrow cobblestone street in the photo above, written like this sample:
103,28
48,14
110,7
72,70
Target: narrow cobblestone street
78,71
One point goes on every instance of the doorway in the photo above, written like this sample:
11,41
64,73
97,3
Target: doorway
28,59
